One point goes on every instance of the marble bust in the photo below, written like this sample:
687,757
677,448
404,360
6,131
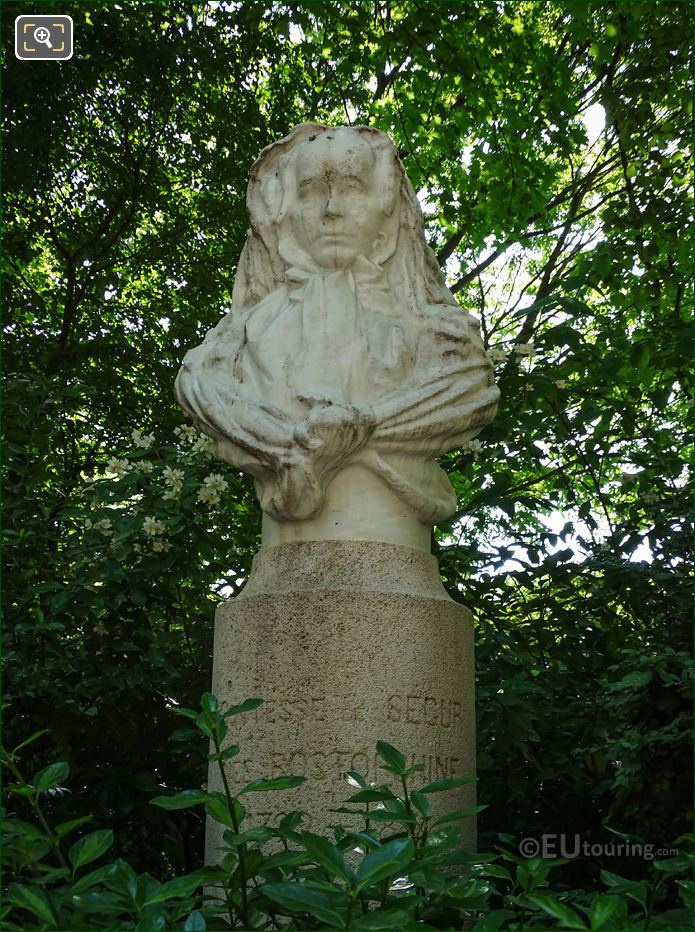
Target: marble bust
345,365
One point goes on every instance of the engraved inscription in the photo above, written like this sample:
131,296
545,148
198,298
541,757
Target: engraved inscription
319,765
304,709
415,709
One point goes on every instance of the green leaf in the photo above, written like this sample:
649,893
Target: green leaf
88,880
183,800
53,775
327,856
122,879
258,833
458,814
226,754
365,839
218,808
37,734
440,786
355,779
635,889
97,902
177,888
66,827
421,803
383,919
633,680
277,783
613,880
496,870
676,865
394,760
33,899
185,734
195,922
246,706
26,830
290,822
88,849
566,916
389,860
390,814
604,908
372,796
493,921
298,899
27,791
283,859
212,725
209,703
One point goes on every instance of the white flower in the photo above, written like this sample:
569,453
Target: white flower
497,354
104,527
137,548
209,496
117,468
153,527
214,482
145,467
161,545
525,349
472,446
204,444
186,431
171,495
627,478
144,441
560,383
173,478
649,498
529,387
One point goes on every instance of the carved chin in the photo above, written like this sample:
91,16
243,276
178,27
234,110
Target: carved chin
335,256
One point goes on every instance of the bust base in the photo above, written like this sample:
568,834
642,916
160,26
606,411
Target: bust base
349,643
358,506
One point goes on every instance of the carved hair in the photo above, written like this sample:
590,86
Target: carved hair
414,276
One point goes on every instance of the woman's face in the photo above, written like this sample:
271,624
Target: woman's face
337,214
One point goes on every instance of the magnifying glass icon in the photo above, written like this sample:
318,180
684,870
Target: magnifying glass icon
43,35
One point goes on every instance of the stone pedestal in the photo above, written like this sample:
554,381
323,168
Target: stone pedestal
348,642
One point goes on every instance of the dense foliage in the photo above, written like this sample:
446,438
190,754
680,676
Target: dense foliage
398,865
549,144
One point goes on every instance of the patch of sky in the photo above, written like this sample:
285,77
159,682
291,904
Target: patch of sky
594,119
296,34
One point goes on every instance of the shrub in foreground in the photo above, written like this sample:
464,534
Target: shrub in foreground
405,869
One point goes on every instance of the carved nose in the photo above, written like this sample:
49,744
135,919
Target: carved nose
333,207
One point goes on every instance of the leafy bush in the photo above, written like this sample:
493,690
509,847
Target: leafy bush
404,870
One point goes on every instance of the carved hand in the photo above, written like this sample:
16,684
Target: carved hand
331,432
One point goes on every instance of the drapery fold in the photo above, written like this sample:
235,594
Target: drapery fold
326,372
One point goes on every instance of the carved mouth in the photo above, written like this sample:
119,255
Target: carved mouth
333,239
